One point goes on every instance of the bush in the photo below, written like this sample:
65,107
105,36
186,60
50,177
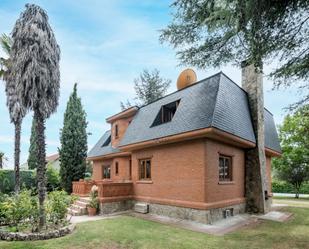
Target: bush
7,180
22,211
285,187
53,179
28,180
19,210
57,205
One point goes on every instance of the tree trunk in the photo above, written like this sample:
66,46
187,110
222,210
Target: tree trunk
17,155
41,167
1,162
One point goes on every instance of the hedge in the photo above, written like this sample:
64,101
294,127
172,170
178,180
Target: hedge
28,180
285,187
7,180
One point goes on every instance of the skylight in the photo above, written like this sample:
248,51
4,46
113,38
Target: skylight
107,141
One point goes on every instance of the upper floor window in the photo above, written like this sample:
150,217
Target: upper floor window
116,168
145,169
166,113
107,172
225,168
116,131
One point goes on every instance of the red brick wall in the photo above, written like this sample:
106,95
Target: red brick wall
122,127
177,172
123,168
216,191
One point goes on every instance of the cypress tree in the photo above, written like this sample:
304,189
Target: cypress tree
32,158
73,139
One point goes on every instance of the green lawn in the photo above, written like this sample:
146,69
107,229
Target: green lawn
291,201
129,232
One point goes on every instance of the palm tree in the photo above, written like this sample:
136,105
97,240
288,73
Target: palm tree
35,69
16,110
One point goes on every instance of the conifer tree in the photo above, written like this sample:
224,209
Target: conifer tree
73,139
32,158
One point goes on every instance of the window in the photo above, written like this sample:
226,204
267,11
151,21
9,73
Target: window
116,131
116,168
106,172
130,168
107,141
166,113
145,169
225,168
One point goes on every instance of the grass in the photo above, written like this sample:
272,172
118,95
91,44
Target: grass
129,232
292,201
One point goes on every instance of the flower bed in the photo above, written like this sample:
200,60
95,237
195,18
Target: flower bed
21,236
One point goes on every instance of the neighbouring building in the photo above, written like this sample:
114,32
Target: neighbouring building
184,155
52,160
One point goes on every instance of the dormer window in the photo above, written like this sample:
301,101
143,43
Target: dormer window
166,113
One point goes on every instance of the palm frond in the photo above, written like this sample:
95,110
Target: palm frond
6,43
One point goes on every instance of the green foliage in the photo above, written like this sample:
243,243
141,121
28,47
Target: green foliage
19,209
213,33
53,178
94,202
32,158
293,165
73,138
7,180
28,180
285,187
56,206
150,86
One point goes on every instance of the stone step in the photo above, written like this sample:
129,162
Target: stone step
74,212
141,208
84,199
81,203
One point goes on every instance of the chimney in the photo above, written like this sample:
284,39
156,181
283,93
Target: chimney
255,162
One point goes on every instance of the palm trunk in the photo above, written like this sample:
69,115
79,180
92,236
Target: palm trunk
17,155
41,167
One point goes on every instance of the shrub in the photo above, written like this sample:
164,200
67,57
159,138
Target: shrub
285,187
53,179
57,205
28,180
19,210
7,180
22,210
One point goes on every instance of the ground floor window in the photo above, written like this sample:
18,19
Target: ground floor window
116,168
225,168
107,172
145,169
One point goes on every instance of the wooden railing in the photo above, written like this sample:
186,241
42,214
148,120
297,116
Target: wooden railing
115,189
106,189
82,188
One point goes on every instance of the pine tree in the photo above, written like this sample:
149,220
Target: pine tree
32,158
73,139
150,86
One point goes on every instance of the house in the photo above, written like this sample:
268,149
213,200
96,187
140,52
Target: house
183,155
52,160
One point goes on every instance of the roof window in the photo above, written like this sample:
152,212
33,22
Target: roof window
166,113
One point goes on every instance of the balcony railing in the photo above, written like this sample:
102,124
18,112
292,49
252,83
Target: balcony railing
106,189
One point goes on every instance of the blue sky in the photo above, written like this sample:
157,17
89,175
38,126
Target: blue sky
104,46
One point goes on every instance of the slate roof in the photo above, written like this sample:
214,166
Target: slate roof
213,102
100,150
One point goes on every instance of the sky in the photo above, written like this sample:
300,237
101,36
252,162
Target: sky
104,46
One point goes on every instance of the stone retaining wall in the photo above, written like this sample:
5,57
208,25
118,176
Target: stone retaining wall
10,236
201,216
114,207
